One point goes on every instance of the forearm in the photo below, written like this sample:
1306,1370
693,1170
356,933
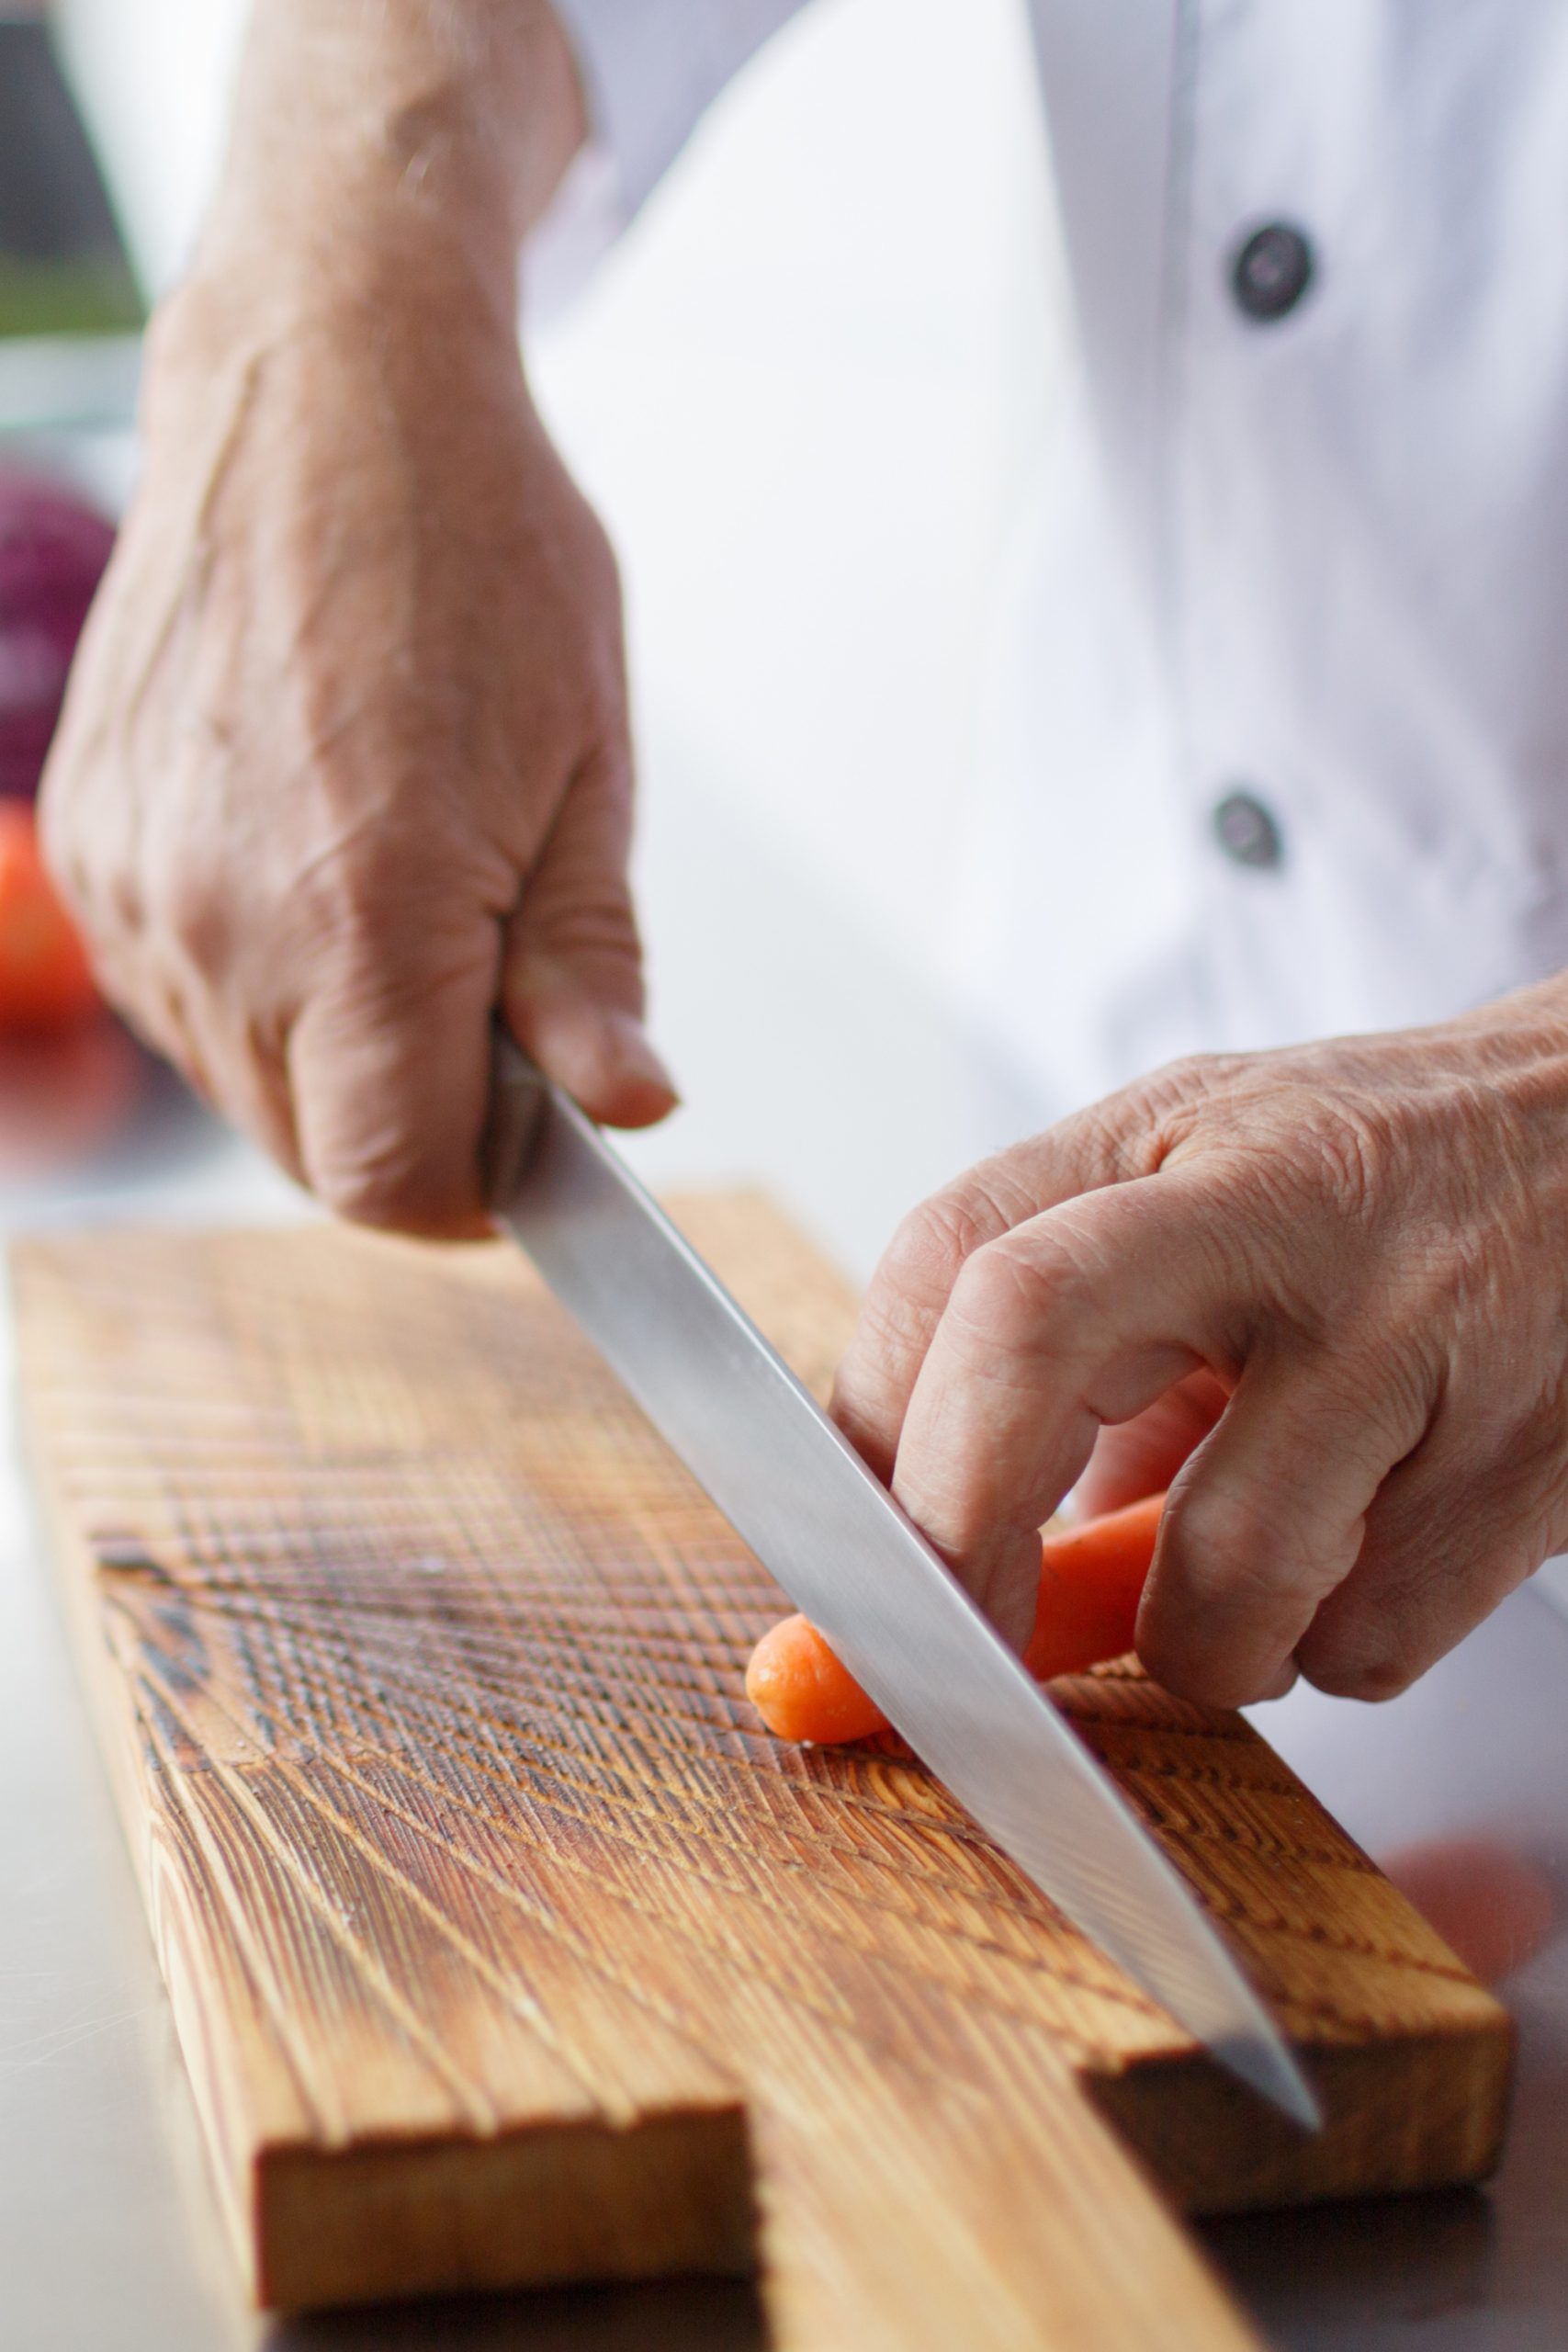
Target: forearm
423,136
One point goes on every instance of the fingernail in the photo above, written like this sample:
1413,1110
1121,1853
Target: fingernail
632,1087
633,1048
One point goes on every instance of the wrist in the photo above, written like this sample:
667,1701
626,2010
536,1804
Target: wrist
387,146
256,347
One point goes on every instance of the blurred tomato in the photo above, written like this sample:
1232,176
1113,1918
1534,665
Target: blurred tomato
46,982
63,1098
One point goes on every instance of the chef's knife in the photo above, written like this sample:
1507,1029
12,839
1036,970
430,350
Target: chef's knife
801,1497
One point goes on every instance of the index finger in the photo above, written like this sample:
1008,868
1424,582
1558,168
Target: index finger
1080,1316
910,1289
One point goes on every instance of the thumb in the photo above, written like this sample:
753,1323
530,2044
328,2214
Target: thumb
571,967
390,1082
1266,1520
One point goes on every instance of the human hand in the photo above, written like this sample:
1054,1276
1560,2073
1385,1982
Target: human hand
344,760
1359,1244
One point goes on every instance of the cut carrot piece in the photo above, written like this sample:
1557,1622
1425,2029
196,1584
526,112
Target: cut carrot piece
1090,1580
800,1689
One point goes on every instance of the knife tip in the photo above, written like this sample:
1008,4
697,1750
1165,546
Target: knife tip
1267,2067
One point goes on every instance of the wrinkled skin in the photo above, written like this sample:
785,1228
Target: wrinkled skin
1326,1290
356,676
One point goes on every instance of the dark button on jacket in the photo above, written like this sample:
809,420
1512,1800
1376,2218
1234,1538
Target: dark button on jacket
1272,271
1249,833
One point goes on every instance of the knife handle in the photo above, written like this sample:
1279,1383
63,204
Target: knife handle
519,1093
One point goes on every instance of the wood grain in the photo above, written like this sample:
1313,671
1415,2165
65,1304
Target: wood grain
505,1946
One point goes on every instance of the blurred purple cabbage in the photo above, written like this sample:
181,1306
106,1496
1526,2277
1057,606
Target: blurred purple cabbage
52,553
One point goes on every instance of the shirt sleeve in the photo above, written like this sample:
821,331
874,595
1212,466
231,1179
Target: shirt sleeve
650,68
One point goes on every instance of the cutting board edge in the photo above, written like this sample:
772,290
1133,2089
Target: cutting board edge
1415,2128
451,2206
1492,2035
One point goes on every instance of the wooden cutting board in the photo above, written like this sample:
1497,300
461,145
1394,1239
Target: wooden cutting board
505,1946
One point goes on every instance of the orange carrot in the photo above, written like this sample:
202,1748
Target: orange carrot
1090,1578
801,1691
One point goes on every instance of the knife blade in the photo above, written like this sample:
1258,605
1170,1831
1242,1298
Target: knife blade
798,1494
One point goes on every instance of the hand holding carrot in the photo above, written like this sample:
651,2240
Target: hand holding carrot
1357,1246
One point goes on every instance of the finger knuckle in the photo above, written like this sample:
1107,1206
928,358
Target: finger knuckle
933,1243
193,910
1023,1297
1351,1149
1225,1537
1236,1553
890,1322
359,894
1165,1107
1342,1142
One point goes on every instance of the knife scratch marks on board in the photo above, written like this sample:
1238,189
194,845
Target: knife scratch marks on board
420,1659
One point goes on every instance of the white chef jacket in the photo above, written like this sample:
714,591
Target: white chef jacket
1309,567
